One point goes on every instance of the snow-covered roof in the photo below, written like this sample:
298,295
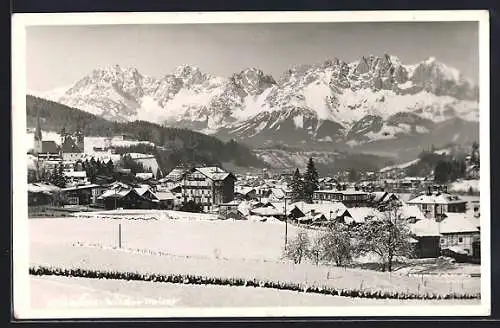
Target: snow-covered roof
114,193
231,203
266,211
343,192
213,172
378,195
425,228
360,214
175,174
86,186
142,190
244,207
42,187
457,249
436,198
164,195
75,174
244,190
411,211
336,208
278,193
144,175
139,155
456,223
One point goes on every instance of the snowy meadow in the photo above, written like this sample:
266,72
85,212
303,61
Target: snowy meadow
212,252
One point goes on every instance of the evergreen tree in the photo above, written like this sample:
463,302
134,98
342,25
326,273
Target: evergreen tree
475,153
310,181
57,177
442,172
297,186
110,166
353,175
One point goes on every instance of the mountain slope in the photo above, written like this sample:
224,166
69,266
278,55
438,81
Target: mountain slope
334,103
181,146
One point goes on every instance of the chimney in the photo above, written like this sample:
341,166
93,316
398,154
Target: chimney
445,189
429,190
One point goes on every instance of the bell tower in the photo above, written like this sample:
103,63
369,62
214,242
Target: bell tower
80,138
37,147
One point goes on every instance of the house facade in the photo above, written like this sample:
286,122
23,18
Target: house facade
350,198
435,204
208,186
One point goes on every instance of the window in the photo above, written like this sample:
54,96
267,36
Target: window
460,240
442,241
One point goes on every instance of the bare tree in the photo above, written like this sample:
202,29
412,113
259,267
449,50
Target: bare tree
298,248
388,237
337,245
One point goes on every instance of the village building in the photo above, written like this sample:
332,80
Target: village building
460,234
455,233
383,198
144,176
230,210
166,200
350,198
128,198
76,178
435,204
316,213
81,195
245,193
208,186
72,146
360,215
41,193
428,237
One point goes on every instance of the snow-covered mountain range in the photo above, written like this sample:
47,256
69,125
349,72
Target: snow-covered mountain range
373,99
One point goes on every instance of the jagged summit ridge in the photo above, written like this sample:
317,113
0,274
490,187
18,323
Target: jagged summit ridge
328,101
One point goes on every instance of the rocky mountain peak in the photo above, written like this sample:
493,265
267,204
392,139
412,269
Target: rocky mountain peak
252,81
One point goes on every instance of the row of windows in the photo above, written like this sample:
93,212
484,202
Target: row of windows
198,192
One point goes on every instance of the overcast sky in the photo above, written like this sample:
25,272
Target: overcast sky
60,55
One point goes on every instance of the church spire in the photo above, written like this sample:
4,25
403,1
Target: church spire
38,132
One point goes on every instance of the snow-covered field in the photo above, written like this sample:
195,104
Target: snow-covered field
228,248
230,239
61,292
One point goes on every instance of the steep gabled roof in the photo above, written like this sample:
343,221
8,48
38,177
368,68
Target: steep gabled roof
436,198
361,214
69,146
49,146
214,173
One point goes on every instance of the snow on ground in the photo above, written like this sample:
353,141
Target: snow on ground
208,248
400,166
444,151
150,111
465,185
231,239
61,292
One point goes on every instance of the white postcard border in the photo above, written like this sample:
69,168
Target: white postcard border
21,290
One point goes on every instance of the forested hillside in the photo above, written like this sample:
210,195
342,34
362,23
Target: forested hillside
177,146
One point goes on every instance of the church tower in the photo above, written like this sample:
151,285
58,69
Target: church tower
80,139
37,147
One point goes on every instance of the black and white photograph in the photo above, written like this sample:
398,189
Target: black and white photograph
251,164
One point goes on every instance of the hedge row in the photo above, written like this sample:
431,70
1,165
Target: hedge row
202,280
